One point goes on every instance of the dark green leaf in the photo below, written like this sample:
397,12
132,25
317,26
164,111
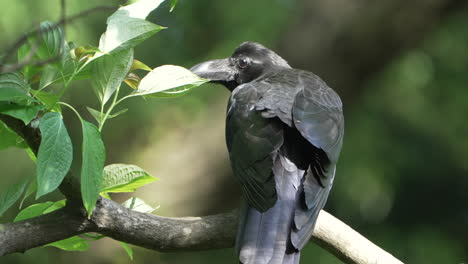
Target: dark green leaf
26,113
93,165
74,243
55,153
11,195
109,71
51,42
124,178
14,88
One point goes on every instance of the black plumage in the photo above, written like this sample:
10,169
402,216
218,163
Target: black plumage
284,132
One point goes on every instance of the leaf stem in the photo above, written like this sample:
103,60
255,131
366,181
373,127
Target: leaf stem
109,110
72,108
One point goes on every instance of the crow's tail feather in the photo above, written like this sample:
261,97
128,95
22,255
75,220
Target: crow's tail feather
265,237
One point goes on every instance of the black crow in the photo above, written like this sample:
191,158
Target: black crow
284,132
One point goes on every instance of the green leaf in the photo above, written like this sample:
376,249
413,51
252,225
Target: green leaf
9,138
127,27
49,75
74,243
55,153
51,41
32,211
109,71
128,249
30,190
137,204
49,100
39,209
99,116
173,5
124,178
11,195
14,88
168,80
93,165
138,65
55,206
26,113
28,70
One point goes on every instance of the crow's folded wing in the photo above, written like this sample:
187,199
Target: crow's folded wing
252,141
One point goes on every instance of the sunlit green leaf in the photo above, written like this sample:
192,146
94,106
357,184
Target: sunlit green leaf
128,249
109,71
168,80
137,204
92,166
124,178
11,195
127,27
132,80
74,243
138,65
55,153
173,5
26,113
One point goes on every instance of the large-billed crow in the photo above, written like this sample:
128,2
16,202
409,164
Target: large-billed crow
284,132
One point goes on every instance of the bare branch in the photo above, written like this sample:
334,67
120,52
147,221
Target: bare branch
64,20
27,61
174,234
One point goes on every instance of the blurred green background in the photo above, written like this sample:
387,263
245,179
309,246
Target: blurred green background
402,71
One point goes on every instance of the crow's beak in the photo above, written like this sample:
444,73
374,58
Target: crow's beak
215,70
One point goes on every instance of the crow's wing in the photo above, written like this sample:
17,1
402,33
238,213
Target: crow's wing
317,114
304,102
252,141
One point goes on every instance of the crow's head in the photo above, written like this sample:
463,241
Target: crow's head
248,62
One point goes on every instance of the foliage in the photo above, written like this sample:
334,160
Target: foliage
27,95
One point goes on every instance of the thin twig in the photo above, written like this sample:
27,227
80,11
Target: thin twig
21,40
17,66
63,11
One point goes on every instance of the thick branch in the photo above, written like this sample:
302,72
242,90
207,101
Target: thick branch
173,234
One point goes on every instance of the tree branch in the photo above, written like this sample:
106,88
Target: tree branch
174,234
21,40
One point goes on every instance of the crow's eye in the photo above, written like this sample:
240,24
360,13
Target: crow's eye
242,63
